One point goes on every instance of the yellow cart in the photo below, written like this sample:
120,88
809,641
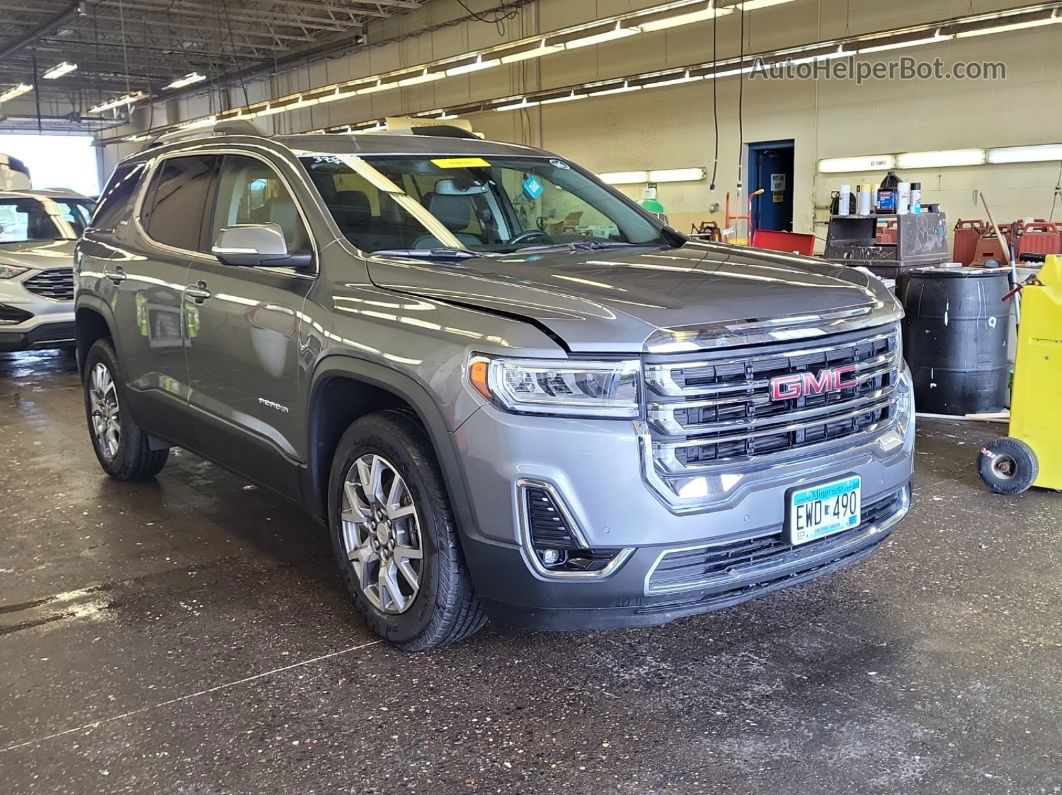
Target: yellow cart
1032,454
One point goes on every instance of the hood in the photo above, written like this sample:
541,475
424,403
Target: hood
618,300
39,254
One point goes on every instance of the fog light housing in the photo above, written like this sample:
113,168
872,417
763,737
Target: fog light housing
554,540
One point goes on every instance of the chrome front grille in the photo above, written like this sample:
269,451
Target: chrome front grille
714,412
55,283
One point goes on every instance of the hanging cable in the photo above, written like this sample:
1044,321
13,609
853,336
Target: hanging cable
715,106
1058,193
741,102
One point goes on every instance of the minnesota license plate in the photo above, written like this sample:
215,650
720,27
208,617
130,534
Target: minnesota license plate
823,510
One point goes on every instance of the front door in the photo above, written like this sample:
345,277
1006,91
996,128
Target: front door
771,166
243,334
150,284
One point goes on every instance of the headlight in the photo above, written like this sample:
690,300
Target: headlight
563,387
11,271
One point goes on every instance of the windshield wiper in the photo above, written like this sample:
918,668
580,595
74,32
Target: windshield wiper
430,253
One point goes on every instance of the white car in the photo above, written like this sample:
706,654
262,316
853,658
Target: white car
38,230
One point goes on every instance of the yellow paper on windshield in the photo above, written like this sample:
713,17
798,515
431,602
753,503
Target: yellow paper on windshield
461,162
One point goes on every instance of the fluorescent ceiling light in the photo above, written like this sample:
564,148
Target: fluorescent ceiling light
731,72
206,121
1025,154
536,52
565,98
187,80
1012,26
621,90
624,177
684,19
523,103
476,66
677,174
851,165
128,99
380,86
941,159
829,56
903,44
16,91
618,32
59,70
674,81
423,77
752,5
337,95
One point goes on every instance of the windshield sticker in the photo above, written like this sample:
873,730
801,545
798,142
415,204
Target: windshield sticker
532,188
461,162
559,164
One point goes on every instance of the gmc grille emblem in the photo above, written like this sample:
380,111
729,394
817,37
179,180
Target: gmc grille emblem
795,385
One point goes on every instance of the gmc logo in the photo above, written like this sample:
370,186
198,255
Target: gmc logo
832,379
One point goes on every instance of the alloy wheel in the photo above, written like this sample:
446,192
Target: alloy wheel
381,534
104,413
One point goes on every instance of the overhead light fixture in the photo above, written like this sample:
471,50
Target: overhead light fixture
523,103
900,45
620,90
423,77
752,5
624,177
1035,23
565,98
674,81
689,18
1025,154
941,159
678,174
477,65
59,70
618,32
380,85
189,79
337,95
851,165
534,52
826,56
206,121
731,72
15,91
128,99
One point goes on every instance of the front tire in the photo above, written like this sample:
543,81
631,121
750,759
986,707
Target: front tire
121,447
1008,466
394,535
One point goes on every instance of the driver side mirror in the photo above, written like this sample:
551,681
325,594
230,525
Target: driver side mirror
256,246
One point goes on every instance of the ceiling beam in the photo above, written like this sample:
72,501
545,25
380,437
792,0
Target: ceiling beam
71,12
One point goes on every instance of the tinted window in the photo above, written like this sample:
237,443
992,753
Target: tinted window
251,192
173,208
117,195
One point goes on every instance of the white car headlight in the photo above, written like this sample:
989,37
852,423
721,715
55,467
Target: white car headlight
562,387
11,271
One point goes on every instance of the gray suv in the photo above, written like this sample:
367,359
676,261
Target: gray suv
506,389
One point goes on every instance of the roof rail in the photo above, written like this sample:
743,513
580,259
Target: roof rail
229,127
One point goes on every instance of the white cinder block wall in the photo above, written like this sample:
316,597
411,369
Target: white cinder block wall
673,126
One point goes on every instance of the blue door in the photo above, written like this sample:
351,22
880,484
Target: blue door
771,168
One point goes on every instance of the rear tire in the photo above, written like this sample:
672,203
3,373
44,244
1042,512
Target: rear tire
394,535
1008,466
121,447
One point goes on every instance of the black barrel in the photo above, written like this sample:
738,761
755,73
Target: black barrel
955,338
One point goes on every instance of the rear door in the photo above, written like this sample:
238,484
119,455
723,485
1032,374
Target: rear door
150,280
243,344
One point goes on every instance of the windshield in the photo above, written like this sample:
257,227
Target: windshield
480,204
25,220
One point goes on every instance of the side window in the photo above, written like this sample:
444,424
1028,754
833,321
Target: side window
117,195
173,208
555,210
251,192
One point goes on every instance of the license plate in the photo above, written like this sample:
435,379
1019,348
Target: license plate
823,510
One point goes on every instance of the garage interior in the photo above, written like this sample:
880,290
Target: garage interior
191,633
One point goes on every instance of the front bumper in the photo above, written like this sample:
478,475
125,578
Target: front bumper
596,467
39,322
52,334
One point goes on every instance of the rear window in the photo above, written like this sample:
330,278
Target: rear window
116,195
173,209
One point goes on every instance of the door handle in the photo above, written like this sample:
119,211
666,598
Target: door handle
117,276
198,292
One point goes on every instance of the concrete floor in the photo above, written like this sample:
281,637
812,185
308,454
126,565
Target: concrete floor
192,635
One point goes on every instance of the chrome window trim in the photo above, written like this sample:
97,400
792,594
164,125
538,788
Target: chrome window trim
156,161
765,570
527,547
